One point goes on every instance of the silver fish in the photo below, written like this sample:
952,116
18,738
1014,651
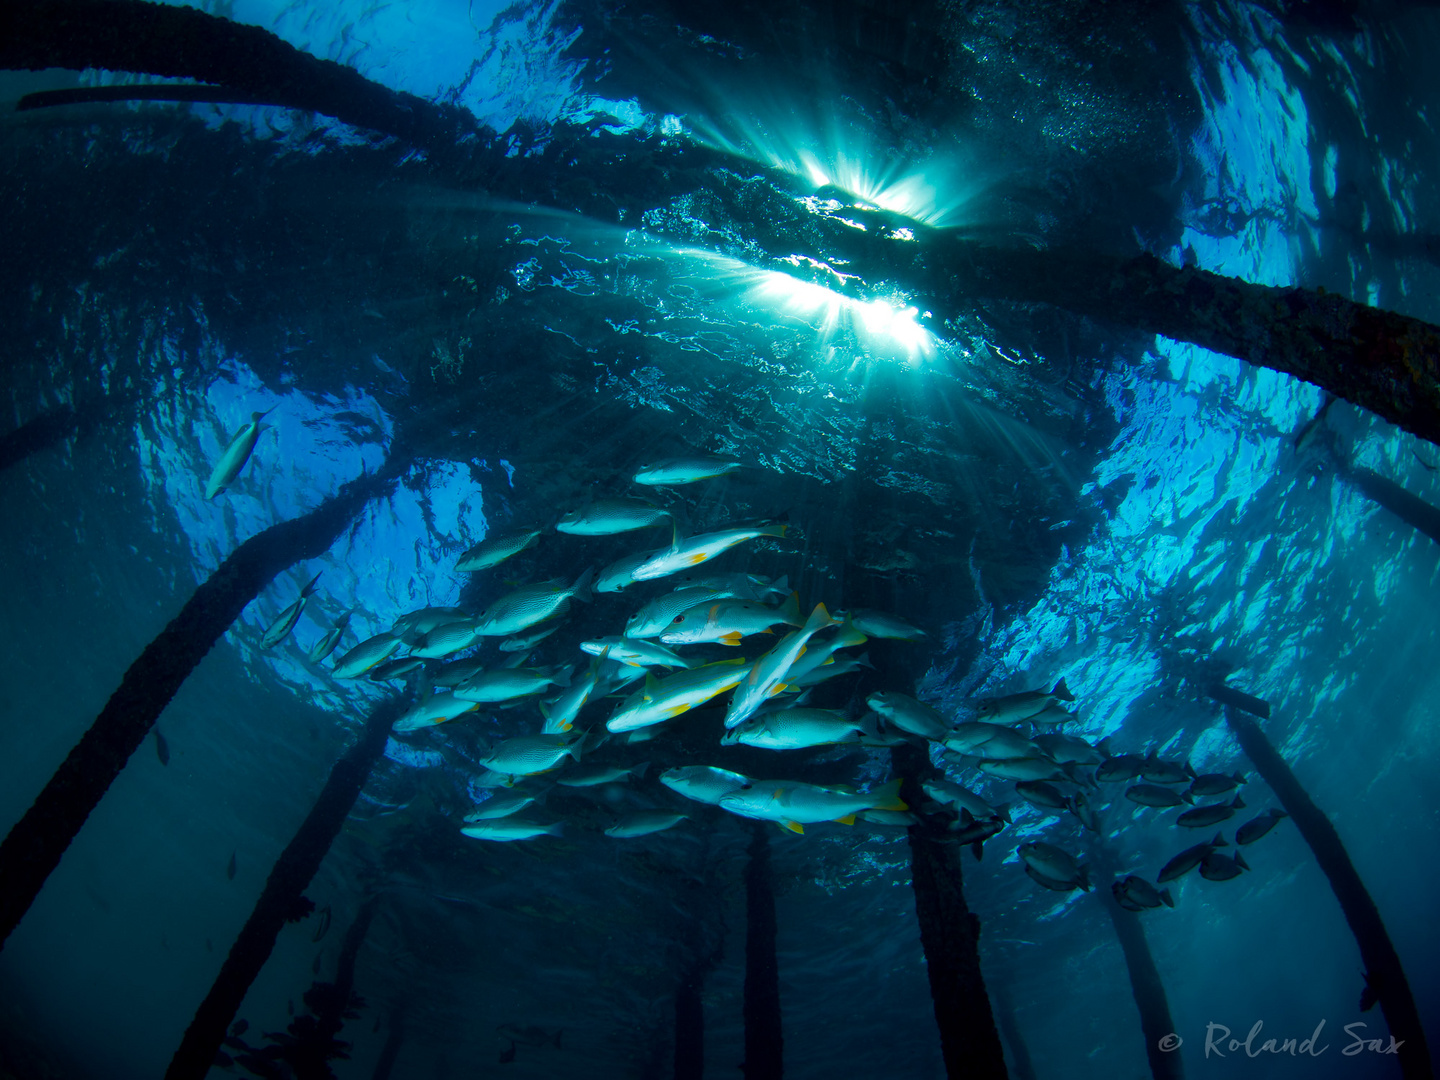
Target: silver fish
393,669
795,729
606,517
236,455
948,793
326,645
910,715
531,604
621,573
1210,784
664,699
501,805
527,641
526,755
1061,748
595,775
656,616
505,829
1137,894
645,822
414,625
494,550
881,624
437,709
1026,768
741,586
444,640
1055,864
1165,772
1043,794
991,742
1013,708
636,653
703,783
766,676
793,804
505,684
686,552
675,471
726,622
280,629
366,655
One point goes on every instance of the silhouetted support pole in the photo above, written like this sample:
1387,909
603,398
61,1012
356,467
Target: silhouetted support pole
1382,963
1005,1018
282,898
385,1063
764,1043
690,1027
34,846
44,430
950,936
1385,362
1145,985
310,1056
1409,508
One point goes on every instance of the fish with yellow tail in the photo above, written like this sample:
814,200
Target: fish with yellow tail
767,676
236,455
280,629
686,552
727,621
794,805
663,699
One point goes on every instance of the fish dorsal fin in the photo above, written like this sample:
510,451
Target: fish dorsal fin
675,535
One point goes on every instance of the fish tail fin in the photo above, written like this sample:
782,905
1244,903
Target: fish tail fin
978,848
555,828
1083,872
1189,770
545,710
732,638
1003,813
1238,804
1219,840
1103,747
310,588
1240,861
777,529
1278,814
582,590
1239,777
1062,692
790,610
638,772
1188,797
864,661
564,674
780,585
819,619
887,797
1168,900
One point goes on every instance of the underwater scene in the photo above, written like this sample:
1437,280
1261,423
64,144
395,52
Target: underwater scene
623,539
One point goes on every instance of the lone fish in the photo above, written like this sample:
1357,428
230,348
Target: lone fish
236,455
280,629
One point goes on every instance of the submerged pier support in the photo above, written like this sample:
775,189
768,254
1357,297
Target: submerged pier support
1385,362
1411,509
282,898
690,1027
1382,963
35,845
1149,992
950,936
764,1041
385,1063
1024,1068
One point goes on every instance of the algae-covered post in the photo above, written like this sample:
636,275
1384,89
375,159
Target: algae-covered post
950,936
690,1027
283,897
394,1037
1384,972
35,845
764,1042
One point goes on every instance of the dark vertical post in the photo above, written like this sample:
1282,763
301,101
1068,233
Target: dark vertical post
314,1044
1005,1018
690,1027
385,1063
1145,985
950,935
764,1042
1382,963
282,897
35,845
1411,509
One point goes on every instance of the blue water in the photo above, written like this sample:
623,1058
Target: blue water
1081,502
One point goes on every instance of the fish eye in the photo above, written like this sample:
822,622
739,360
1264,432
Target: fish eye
745,787
679,618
